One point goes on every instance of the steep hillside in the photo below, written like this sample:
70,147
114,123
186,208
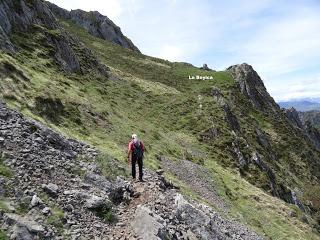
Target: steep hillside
224,142
306,121
311,116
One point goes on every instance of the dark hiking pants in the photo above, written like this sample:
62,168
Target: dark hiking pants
140,165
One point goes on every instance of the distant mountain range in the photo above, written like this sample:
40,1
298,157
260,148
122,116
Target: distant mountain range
305,104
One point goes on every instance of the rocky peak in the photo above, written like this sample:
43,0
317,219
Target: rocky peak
312,116
20,15
293,116
252,86
23,15
96,24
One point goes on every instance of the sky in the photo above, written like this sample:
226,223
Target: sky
279,38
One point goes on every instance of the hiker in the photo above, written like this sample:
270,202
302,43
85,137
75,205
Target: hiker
135,154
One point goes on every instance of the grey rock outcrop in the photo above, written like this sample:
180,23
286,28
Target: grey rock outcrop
296,119
35,201
21,233
22,15
210,134
96,24
205,67
2,188
243,162
96,203
278,189
252,86
5,42
311,116
293,116
51,189
230,117
313,134
147,225
201,222
29,227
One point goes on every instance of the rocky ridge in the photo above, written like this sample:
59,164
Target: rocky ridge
247,157
57,191
96,24
252,86
22,16
311,116
298,120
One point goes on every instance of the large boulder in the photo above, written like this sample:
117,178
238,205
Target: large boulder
97,203
21,233
51,189
98,181
31,226
203,223
147,224
36,201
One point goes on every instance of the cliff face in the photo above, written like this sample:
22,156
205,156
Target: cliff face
96,24
311,116
267,154
21,15
306,123
24,16
252,86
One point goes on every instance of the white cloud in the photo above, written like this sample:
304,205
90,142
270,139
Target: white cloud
297,89
285,46
172,53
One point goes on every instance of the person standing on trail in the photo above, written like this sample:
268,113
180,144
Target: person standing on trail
135,155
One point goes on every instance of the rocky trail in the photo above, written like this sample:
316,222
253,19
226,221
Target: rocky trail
57,191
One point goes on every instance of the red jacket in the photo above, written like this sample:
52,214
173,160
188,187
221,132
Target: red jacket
131,146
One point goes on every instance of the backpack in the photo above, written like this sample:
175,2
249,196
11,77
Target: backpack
137,150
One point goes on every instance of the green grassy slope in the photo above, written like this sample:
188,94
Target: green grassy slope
155,99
